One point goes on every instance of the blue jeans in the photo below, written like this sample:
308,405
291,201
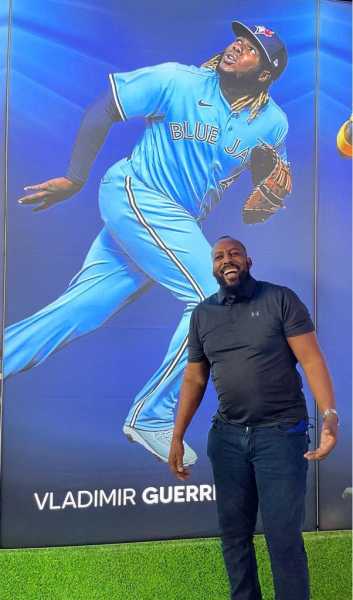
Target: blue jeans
261,467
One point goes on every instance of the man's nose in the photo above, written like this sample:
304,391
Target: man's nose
237,47
227,261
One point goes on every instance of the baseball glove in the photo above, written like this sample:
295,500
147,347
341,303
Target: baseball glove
272,180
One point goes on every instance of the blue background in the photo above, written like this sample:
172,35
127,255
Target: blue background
63,420
334,246
4,30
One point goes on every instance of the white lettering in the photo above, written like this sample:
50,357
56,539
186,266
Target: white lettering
166,498
53,506
69,501
201,137
150,495
179,493
202,132
89,499
205,492
192,493
41,503
83,499
129,496
176,131
104,499
212,136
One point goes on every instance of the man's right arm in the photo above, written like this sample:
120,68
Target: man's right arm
192,391
93,131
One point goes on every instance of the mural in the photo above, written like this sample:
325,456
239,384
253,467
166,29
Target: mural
159,170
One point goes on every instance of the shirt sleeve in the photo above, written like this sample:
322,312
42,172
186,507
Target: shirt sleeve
282,151
276,133
94,128
295,315
280,138
195,349
143,92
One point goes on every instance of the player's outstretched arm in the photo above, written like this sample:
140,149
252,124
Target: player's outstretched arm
93,131
192,390
44,195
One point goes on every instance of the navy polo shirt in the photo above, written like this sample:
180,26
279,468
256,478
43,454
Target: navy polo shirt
244,340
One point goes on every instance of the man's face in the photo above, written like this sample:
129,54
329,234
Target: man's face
241,58
231,264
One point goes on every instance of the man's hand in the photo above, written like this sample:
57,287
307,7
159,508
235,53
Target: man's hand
49,192
175,460
328,439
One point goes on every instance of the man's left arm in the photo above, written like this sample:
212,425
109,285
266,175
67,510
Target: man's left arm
307,351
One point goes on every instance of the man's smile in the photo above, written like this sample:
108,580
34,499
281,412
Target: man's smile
230,273
230,270
229,58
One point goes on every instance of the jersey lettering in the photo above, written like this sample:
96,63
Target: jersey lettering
232,150
202,132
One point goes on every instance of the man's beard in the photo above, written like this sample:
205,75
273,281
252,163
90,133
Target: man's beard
243,276
244,83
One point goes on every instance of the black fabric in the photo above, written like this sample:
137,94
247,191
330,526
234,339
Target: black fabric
252,366
245,290
94,128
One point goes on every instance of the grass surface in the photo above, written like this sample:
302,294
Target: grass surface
169,570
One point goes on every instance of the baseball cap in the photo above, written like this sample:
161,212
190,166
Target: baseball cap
268,42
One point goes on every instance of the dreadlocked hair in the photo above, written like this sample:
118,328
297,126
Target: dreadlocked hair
255,103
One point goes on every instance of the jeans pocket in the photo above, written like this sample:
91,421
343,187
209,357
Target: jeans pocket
298,428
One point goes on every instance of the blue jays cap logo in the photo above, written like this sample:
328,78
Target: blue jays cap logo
260,29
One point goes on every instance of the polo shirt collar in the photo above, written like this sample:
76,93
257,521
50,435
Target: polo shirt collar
245,290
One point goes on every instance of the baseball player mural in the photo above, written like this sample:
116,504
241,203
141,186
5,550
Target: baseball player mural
204,127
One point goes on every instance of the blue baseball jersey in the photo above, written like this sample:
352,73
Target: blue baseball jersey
194,146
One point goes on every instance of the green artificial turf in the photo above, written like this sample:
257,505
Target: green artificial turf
169,570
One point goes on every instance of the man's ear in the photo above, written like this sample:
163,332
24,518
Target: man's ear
264,76
249,261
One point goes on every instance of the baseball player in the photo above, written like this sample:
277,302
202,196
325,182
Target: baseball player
204,127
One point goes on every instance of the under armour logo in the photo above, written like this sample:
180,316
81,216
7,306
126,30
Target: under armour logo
255,313
202,103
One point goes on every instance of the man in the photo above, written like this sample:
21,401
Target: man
203,124
250,335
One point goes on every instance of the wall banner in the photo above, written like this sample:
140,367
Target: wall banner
100,287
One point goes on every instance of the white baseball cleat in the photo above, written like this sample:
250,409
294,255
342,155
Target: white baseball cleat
158,443
347,493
